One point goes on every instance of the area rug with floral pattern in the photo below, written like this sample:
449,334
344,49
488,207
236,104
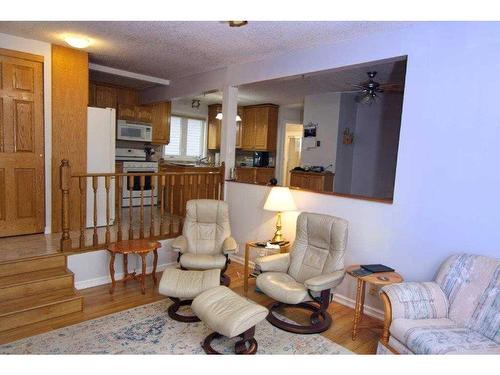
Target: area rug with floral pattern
149,330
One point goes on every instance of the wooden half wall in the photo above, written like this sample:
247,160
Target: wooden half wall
70,93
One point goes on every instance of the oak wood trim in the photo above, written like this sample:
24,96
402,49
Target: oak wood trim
21,55
360,197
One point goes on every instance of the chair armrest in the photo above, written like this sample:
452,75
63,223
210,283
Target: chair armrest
417,300
179,244
325,281
229,246
275,262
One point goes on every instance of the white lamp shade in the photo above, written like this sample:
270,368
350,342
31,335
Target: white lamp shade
280,199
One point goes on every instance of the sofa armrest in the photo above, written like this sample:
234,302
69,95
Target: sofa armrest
417,300
325,281
229,246
275,262
179,244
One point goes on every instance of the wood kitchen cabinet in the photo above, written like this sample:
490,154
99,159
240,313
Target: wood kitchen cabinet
104,95
312,180
140,113
125,112
259,127
214,127
160,121
252,175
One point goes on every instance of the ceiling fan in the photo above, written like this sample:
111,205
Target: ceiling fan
368,91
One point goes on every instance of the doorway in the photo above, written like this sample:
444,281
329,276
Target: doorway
292,151
22,184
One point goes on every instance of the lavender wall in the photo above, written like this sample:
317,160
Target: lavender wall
446,194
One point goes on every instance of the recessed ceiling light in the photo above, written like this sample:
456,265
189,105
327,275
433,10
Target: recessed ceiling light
237,23
77,41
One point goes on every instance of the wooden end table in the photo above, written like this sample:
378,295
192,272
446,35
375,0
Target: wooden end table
253,245
374,278
139,247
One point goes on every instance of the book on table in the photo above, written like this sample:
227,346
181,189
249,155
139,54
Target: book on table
376,268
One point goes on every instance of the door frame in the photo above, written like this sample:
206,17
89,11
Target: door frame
42,52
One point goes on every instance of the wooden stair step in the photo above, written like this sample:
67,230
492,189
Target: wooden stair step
29,283
13,267
23,311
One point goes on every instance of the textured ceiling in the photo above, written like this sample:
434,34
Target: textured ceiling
290,91
175,49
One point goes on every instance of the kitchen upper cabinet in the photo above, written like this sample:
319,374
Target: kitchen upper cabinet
105,96
214,127
126,112
160,113
238,128
143,113
140,113
259,127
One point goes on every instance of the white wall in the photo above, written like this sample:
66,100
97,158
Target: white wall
322,109
92,268
42,49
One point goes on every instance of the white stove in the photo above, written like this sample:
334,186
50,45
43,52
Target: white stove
134,161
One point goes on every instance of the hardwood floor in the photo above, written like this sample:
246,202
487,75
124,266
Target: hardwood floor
98,302
33,245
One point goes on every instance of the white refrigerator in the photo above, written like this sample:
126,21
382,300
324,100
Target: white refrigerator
101,139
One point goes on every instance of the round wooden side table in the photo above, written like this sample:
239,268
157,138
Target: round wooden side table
378,279
139,247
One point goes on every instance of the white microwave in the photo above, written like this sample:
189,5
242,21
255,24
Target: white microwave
133,131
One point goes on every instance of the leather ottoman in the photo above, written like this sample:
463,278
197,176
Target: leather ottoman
181,286
230,315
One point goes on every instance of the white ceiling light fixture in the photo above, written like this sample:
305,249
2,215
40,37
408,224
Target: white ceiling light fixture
219,117
77,41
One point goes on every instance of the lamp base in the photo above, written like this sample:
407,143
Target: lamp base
278,235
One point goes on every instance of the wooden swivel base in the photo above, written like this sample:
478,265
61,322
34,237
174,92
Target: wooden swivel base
173,308
225,280
247,344
320,318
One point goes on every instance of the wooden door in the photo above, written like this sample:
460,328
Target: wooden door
143,113
261,124
263,175
105,96
245,175
238,128
126,112
213,137
161,123
22,204
248,129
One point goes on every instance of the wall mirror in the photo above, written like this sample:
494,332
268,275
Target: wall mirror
333,131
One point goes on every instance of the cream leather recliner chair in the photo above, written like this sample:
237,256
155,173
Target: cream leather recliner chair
307,275
206,240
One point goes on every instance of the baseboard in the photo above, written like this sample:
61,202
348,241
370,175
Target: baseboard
340,298
118,276
368,310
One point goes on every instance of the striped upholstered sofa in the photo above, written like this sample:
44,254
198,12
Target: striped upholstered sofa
457,313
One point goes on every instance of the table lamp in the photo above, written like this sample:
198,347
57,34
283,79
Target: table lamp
279,200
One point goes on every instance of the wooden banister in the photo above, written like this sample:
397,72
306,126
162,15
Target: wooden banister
171,189
65,171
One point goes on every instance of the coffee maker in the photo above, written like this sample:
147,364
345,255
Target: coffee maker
261,159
